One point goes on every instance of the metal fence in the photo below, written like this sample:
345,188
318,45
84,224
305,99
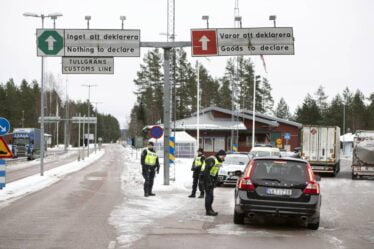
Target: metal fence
182,150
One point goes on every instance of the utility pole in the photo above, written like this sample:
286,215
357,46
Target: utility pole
66,122
96,103
88,115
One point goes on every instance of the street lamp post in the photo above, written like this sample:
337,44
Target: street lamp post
122,18
207,20
273,18
88,18
96,103
257,79
239,19
88,115
42,16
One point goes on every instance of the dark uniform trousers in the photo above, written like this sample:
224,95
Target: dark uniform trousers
148,174
197,181
209,197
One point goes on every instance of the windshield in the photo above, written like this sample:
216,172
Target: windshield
237,160
20,141
284,171
263,153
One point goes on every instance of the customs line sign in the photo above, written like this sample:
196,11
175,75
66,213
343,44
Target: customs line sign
87,65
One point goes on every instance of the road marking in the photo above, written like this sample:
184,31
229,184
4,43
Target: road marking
112,244
94,178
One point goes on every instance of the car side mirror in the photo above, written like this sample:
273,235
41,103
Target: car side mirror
318,178
238,173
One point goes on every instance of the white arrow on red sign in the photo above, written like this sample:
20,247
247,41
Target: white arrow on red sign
204,42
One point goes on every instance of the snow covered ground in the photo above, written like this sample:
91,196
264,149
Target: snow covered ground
137,212
20,188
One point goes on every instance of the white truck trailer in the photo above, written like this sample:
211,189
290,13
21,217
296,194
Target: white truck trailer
363,154
320,145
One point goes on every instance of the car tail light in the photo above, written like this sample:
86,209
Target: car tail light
313,187
245,183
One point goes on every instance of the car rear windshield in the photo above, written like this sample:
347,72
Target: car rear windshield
282,170
237,160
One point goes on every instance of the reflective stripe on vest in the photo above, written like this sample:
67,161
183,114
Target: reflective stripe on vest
150,158
215,168
198,162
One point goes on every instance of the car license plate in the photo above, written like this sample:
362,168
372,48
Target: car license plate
279,191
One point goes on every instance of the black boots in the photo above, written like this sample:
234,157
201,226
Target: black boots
152,194
211,212
194,195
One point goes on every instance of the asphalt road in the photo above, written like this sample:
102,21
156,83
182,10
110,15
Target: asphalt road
14,172
347,221
96,208
72,213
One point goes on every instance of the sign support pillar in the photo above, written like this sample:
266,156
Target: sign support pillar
166,114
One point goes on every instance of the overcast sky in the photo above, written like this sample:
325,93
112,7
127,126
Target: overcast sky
334,42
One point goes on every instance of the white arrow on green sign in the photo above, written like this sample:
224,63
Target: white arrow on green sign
50,42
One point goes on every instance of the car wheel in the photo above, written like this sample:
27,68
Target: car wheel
314,225
354,176
238,218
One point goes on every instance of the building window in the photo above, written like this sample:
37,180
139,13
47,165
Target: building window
219,144
208,144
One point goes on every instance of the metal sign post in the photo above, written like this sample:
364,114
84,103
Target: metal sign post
166,46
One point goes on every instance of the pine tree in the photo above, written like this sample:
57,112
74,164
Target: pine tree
282,110
225,94
308,113
359,120
334,112
266,98
370,112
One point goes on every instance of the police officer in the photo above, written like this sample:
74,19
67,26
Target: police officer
150,166
196,168
210,171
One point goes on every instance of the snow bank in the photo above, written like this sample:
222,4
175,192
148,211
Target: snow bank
20,188
137,212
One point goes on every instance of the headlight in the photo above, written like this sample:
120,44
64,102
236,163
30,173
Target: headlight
222,172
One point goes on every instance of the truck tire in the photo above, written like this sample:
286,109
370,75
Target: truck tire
313,226
238,218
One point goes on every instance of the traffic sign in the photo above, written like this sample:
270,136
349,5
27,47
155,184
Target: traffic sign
204,42
243,41
255,41
287,136
50,42
4,126
86,120
87,65
4,149
2,174
156,132
102,42
278,141
89,42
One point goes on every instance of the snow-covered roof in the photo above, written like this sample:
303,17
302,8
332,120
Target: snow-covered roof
180,137
348,137
239,114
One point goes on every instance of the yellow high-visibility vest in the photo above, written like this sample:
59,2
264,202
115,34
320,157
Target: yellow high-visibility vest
215,168
198,162
150,158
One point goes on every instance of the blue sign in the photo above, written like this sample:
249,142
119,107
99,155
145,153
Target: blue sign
156,132
2,174
287,136
4,126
